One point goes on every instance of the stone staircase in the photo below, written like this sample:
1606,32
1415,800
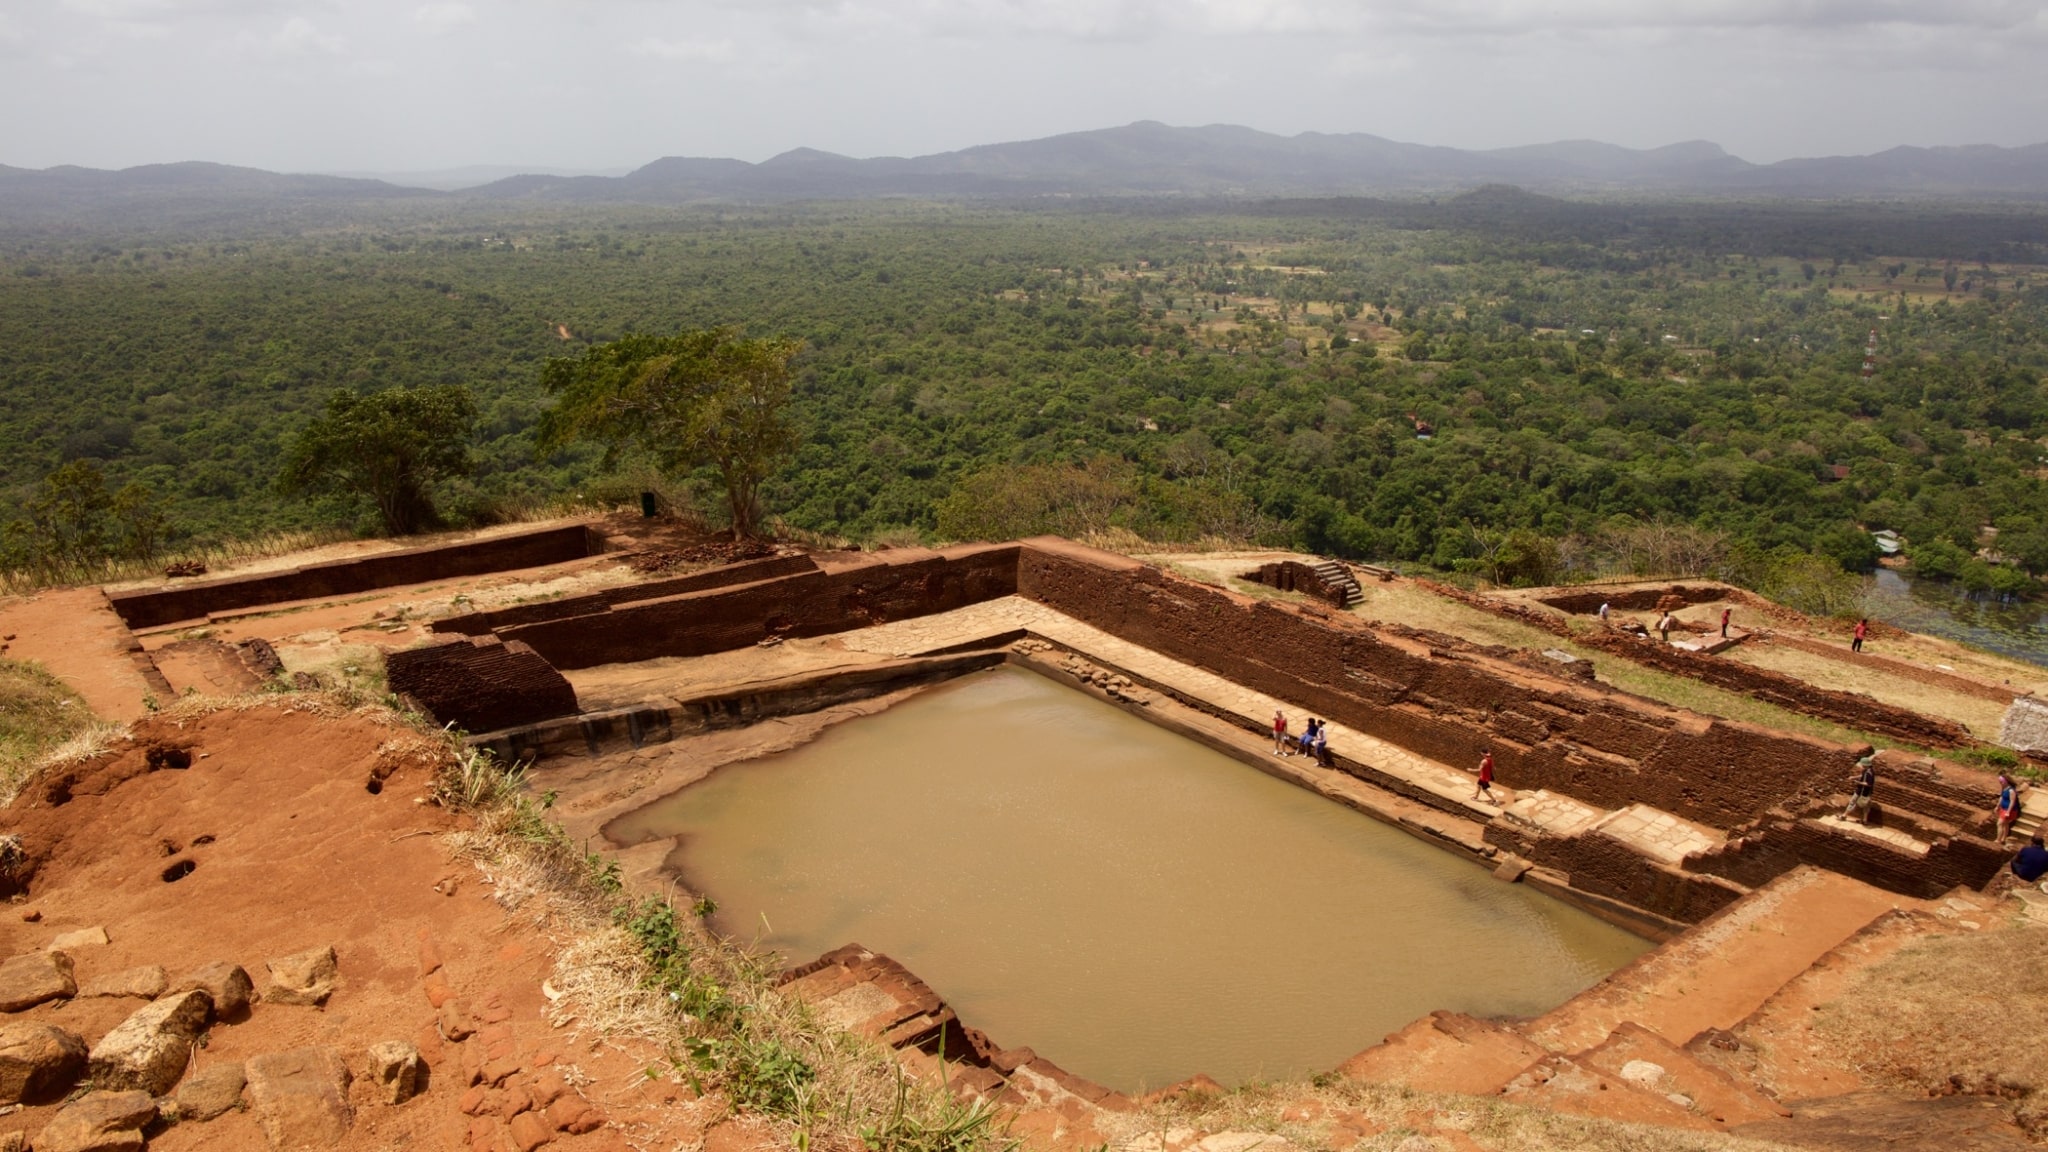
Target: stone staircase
1338,578
1635,1046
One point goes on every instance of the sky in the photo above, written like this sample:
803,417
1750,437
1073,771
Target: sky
406,86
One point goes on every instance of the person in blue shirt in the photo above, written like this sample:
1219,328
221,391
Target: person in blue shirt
2032,862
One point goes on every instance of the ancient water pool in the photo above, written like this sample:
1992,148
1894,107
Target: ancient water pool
1133,905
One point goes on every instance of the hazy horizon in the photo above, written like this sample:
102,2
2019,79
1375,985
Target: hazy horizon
401,86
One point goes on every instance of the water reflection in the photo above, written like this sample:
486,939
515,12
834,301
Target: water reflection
2015,628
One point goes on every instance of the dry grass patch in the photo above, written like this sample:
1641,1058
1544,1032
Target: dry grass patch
1952,1014
40,720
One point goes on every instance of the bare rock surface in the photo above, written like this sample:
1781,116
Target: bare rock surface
146,983
302,978
395,1069
38,1062
99,1122
149,1050
78,938
226,983
211,1091
31,979
301,1097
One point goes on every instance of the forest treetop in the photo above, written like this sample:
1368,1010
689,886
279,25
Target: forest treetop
1265,366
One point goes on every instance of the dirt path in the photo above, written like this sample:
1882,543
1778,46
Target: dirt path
73,633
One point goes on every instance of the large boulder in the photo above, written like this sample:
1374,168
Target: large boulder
395,1069
303,978
149,1050
301,1098
32,978
38,1062
211,1091
99,1122
227,984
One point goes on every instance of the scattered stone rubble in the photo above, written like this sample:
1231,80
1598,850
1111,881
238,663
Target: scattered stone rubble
141,1074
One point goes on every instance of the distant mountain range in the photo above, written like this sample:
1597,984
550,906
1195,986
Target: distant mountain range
1143,159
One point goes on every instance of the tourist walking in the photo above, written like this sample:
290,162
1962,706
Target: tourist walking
2008,806
1485,789
1664,625
1866,786
1279,733
1725,614
2032,862
1603,612
1862,630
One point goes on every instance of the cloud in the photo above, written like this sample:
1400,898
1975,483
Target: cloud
706,51
444,17
296,37
1141,19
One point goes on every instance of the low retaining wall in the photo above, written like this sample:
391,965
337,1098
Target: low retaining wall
854,593
1909,671
1788,692
480,684
154,607
618,729
1783,843
747,572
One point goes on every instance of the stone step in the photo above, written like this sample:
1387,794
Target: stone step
1647,1061
1447,1052
1718,973
1892,838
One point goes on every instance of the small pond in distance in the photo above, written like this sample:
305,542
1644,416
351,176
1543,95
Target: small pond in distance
1134,906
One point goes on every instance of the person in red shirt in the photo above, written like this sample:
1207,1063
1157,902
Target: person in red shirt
1485,789
1725,614
1279,733
1862,630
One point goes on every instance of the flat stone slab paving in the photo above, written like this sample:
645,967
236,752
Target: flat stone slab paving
1546,811
1891,836
1659,834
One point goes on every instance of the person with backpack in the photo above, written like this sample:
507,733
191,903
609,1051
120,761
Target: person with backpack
1866,787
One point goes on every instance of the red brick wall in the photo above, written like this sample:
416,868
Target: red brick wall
151,607
481,623
1605,748
871,589
481,684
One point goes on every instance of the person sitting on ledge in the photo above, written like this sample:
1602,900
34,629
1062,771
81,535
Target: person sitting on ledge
2032,862
1306,745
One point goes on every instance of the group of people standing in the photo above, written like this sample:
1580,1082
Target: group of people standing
1314,741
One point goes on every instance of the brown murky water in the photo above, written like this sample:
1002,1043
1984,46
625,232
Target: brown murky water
1134,906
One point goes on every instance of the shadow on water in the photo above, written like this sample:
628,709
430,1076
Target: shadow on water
2009,627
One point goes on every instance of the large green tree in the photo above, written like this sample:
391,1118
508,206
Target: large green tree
389,447
700,398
